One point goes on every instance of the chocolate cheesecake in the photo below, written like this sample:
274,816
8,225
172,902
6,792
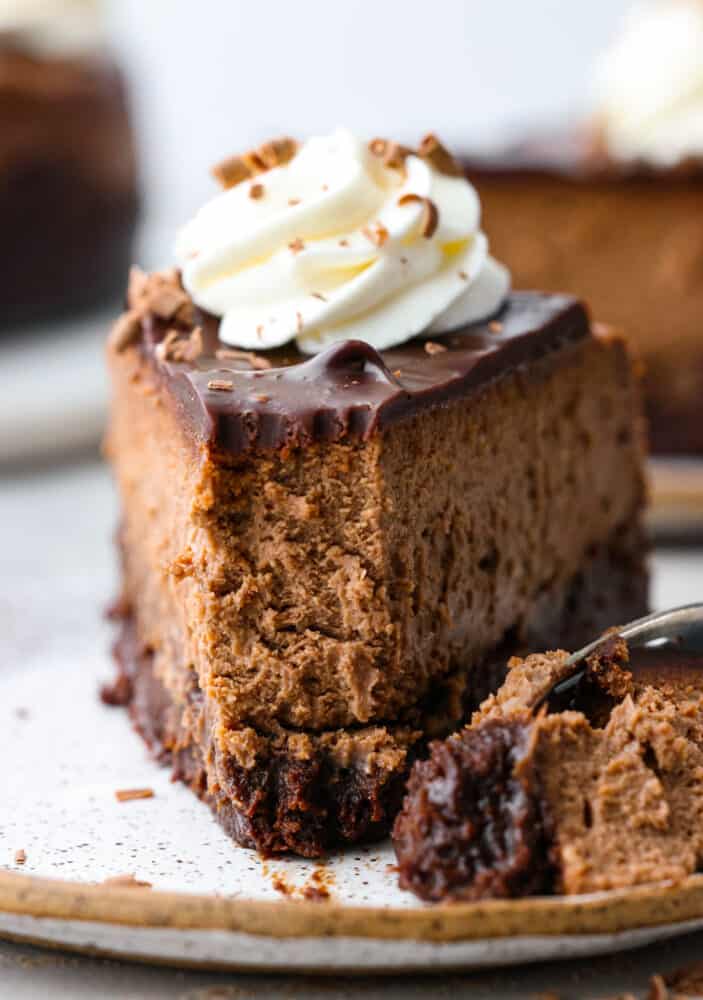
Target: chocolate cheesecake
68,197
325,555
604,791
610,211
628,239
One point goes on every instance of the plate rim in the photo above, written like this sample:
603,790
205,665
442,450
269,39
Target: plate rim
608,912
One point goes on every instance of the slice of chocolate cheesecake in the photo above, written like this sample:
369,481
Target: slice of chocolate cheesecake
536,797
323,556
628,239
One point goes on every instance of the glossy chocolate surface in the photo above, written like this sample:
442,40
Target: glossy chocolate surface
351,389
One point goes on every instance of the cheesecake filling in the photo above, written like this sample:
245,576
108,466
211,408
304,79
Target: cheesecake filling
649,85
343,241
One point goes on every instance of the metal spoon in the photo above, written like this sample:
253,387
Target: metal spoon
680,629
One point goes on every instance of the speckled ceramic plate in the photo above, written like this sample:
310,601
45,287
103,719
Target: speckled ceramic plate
65,755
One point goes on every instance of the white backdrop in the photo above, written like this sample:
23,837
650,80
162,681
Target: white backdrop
211,76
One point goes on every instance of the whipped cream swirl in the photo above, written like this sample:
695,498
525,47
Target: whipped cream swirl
649,85
337,244
53,27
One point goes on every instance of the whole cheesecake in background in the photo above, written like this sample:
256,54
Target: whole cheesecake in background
612,211
68,186
354,471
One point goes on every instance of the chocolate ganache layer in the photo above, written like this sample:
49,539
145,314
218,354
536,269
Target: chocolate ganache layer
231,400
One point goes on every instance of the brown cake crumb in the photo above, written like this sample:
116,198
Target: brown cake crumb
117,693
180,348
20,856
130,794
220,384
256,361
125,882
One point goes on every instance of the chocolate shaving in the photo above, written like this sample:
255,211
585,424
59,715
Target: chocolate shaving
125,331
175,347
230,172
235,169
255,360
432,347
392,154
432,150
130,794
166,300
256,191
276,152
377,233
430,214
220,385
137,286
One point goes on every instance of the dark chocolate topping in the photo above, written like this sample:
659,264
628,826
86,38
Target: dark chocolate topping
351,389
